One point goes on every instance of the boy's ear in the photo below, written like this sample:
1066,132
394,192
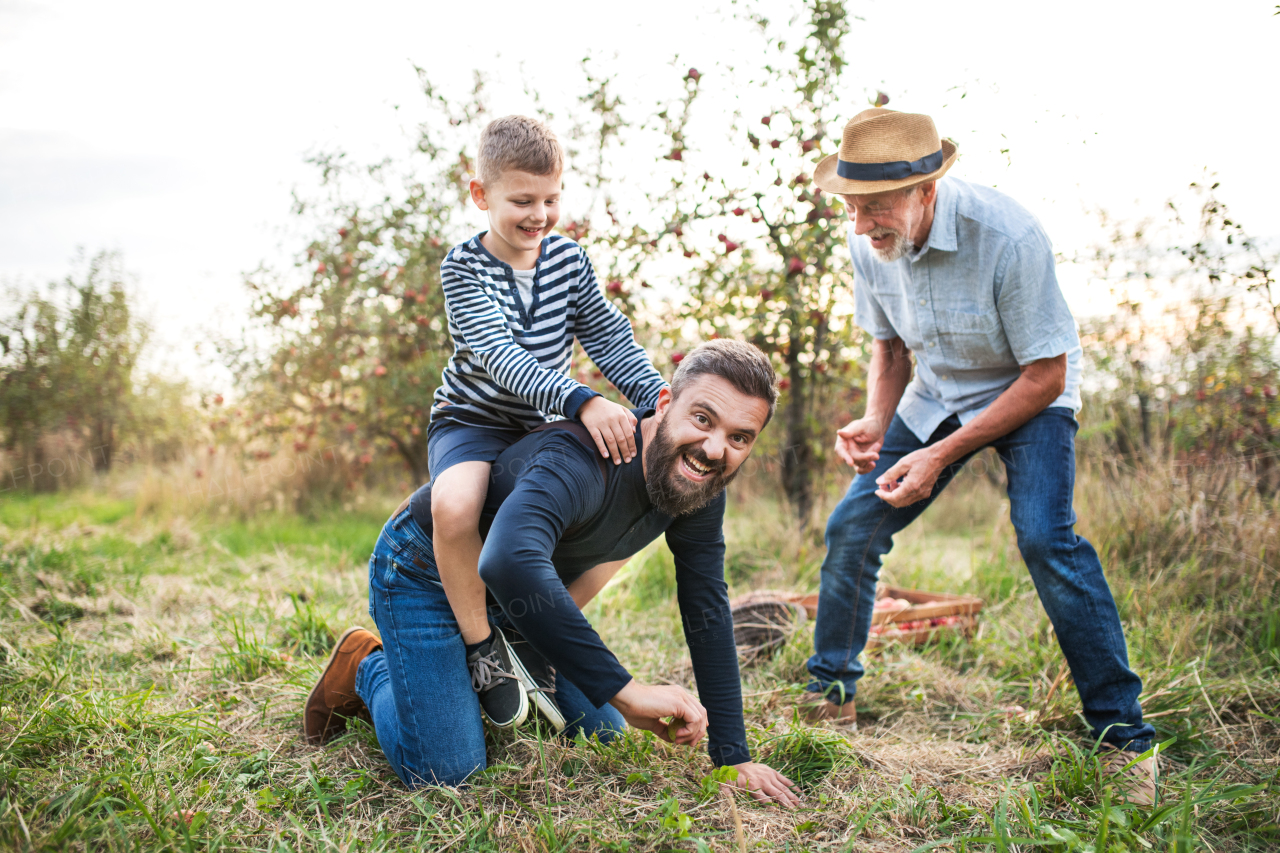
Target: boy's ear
477,194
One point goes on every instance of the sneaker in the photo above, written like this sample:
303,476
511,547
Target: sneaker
541,682
1135,780
333,700
496,676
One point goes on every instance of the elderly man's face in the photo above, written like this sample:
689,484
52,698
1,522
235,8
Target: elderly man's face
703,437
892,220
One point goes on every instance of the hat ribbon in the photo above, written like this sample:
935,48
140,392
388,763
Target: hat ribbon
893,171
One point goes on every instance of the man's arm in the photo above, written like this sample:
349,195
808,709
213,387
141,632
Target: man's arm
697,544
562,487
858,443
1040,383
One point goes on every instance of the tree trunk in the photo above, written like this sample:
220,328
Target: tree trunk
797,456
415,458
38,470
100,439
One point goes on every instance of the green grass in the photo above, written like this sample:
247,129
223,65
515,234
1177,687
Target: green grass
152,671
25,509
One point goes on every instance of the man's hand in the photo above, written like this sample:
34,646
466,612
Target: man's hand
918,472
766,784
859,443
612,426
644,705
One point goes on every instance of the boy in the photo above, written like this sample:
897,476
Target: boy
516,297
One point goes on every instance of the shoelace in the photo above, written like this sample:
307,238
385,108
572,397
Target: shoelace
485,669
550,691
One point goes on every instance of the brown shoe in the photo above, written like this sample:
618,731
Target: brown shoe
815,709
1136,781
333,700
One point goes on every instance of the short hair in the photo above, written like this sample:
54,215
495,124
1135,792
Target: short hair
521,143
744,366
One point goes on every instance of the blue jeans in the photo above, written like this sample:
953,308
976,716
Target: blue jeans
1039,459
418,688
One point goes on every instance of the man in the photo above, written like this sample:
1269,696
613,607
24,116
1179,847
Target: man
557,523
963,277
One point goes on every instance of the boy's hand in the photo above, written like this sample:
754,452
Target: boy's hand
612,426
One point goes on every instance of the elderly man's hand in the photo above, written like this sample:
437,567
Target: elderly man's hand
912,479
766,784
859,443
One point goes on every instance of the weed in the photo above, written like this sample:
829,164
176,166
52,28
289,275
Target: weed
805,755
244,657
307,632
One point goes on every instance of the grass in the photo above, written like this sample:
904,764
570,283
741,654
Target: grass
153,666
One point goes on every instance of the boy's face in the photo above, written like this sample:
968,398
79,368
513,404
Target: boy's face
522,208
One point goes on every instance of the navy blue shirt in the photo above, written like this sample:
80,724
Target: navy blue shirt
550,516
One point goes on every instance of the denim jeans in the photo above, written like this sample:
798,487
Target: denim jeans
418,688
1039,459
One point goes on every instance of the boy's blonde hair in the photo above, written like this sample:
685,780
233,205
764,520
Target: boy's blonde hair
521,143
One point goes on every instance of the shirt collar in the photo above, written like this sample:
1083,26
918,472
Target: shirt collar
942,236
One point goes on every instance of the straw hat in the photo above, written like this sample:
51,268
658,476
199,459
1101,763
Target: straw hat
885,150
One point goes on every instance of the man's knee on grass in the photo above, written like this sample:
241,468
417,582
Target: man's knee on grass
457,499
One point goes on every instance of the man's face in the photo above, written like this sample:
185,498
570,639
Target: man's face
889,220
702,439
522,208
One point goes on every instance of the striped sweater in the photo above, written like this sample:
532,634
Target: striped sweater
510,361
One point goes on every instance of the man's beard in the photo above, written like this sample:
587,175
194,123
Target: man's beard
895,250
669,491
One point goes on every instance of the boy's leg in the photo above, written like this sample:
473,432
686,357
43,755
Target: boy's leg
1039,458
457,498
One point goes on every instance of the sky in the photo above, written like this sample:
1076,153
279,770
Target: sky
175,133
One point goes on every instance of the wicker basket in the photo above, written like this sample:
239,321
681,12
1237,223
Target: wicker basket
762,624
912,625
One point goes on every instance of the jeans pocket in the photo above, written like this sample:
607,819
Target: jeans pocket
412,569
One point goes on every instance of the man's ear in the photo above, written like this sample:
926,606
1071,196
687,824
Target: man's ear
477,194
664,402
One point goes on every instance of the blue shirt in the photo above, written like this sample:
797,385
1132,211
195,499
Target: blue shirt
975,303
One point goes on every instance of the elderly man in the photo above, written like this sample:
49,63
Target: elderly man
963,277
557,524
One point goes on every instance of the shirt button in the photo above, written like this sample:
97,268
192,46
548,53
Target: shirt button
930,343
921,301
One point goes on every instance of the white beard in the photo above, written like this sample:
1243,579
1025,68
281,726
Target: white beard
896,250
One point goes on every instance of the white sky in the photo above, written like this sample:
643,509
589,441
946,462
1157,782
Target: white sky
175,132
